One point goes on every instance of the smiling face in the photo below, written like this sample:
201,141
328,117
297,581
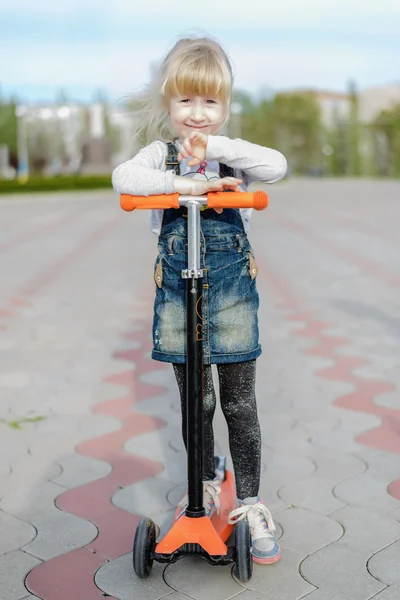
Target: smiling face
196,113
196,87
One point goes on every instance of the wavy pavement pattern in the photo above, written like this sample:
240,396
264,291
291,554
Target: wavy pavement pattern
358,523
71,576
22,298
387,435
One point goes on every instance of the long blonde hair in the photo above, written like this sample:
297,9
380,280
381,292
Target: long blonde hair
193,66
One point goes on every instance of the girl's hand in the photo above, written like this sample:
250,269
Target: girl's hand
195,145
198,187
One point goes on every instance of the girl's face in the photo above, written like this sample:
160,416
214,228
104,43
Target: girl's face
196,113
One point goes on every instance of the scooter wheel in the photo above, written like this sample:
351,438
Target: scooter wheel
243,568
143,548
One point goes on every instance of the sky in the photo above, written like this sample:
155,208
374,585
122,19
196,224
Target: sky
81,46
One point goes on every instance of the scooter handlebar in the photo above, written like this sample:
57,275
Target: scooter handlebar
257,200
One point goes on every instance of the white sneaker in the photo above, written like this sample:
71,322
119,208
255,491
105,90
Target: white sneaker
264,547
211,503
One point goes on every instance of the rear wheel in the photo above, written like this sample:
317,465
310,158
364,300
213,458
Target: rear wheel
243,568
143,548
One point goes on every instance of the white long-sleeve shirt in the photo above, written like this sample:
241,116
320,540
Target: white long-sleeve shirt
145,174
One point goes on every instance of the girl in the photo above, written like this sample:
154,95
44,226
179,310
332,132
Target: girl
188,102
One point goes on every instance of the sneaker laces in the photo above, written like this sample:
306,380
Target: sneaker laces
211,492
259,517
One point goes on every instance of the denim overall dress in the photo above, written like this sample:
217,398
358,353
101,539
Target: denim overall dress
230,298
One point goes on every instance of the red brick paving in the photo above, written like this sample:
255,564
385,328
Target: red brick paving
71,576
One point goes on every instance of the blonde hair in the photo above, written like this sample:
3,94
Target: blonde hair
196,66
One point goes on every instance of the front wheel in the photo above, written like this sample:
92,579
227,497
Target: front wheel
143,548
243,568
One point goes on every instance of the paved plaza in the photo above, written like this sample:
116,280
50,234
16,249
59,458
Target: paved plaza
90,425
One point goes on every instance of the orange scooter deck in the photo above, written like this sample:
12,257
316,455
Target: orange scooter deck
210,534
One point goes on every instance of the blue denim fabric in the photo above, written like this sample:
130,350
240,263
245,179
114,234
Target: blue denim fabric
230,299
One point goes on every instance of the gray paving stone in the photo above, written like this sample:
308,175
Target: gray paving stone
326,595
78,470
15,442
349,577
271,499
357,421
27,472
157,446
395,514
14,533
146,498
4,469
383,465
385,564
336,465
17,564
117,578
282,467
58,532
34,502
195,577
279,581
177,596
312,419
284,439
389,400
307,532
313,493
390,593
365,530
339,438
16,379
65,432
87,426
367,491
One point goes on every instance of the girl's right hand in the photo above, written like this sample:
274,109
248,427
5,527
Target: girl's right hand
199,187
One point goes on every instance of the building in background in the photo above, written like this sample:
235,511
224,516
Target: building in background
374,100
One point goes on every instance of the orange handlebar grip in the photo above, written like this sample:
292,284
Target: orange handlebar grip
257,200
129,202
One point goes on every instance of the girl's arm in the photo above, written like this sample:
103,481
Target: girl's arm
257,162
144,174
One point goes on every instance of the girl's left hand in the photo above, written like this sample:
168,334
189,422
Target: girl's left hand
195,145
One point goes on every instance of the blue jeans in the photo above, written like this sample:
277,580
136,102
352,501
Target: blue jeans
230,299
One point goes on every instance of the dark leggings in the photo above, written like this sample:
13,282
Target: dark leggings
238,403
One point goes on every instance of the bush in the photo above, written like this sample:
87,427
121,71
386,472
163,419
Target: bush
57,183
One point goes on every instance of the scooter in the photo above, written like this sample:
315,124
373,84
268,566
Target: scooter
194,533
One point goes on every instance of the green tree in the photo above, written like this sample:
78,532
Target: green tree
387,126
353,130
298,130
289,122
8,127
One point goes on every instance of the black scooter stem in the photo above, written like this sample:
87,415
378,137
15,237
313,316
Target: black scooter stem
194,397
